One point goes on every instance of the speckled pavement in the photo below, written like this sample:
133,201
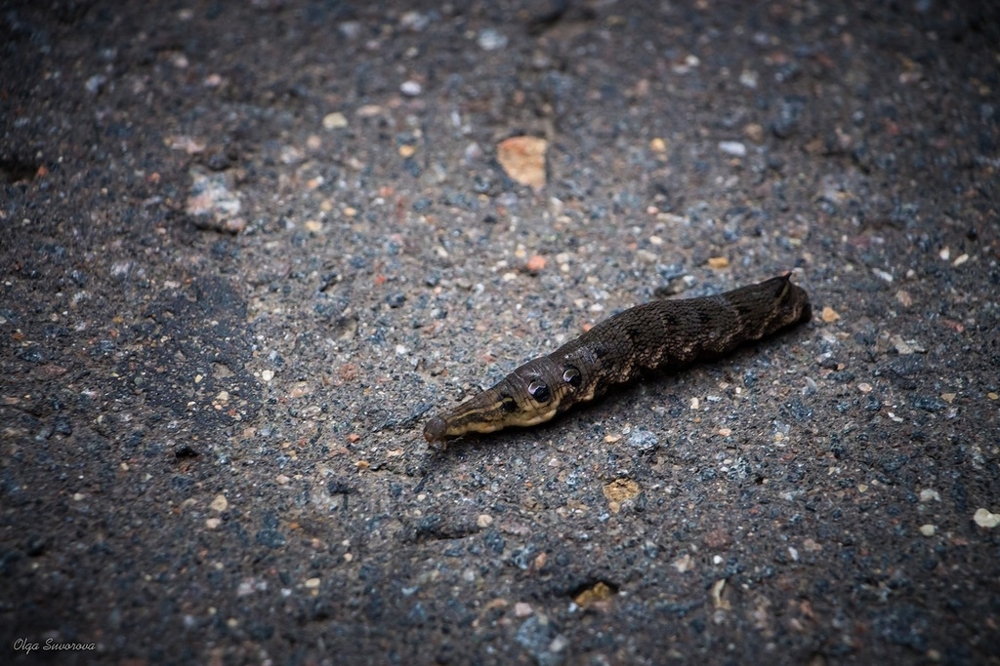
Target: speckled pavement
248,249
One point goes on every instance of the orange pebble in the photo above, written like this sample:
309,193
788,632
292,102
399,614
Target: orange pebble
536,263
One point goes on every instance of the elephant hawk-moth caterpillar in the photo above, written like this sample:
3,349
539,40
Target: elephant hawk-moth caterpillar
661,335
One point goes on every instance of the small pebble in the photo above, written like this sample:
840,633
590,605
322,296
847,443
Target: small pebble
414,21
621,490
734,148
928,495
523,159
523,609
902,348
719,602
986,518
643,440
188,144
829,315
536,634
411,88
472,152
718,262
754,132
536,263
491,39
683,563
220,503
291,155
368,111
210,197
882,275
350,29
335,120
95,83
927,530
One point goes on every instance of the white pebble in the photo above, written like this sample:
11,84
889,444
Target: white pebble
558,644
882,275
414,21
95,83
734,148
350,29
749,78
490,39
928,495
411,88
334,120
986,518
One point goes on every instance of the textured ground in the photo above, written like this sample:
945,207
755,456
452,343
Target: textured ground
248,248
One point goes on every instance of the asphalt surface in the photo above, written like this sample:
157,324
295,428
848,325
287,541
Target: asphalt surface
247,249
